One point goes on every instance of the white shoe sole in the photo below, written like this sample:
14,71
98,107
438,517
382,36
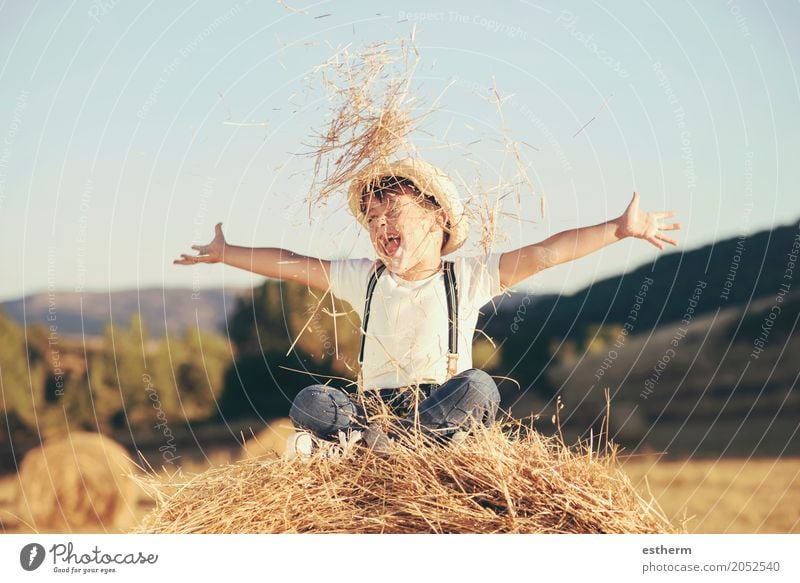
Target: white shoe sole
299,444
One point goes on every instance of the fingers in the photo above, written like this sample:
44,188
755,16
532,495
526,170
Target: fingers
184,260
206,249
664,214
656,241
203,251
192,259
670,227
666,239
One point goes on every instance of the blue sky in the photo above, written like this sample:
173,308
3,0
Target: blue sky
119,147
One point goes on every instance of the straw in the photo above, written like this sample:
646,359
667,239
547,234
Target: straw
495,481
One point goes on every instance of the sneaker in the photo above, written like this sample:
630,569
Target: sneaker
299,445
377,441
304,445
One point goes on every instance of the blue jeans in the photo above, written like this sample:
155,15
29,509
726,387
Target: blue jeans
468,397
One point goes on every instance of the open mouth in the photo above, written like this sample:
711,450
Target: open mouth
390,242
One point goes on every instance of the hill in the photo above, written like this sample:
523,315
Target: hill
86,313
696,349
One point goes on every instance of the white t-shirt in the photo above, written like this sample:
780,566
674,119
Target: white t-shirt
407,333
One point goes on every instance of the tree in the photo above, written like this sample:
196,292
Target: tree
200,373
22,377
278,316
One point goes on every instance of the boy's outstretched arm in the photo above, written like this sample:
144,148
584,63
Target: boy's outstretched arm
522,263
266,261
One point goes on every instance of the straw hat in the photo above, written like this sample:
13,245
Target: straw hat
429,180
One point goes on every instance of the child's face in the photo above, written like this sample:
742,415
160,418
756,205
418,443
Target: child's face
403,232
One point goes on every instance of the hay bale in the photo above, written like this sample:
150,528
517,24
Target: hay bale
270,441
77,482
489,483
9,521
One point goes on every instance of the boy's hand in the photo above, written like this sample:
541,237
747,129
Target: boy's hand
646,225
211,253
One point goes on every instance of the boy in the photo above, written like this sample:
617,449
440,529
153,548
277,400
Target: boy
418,312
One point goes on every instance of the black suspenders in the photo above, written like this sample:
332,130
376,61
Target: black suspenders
373,281
451,291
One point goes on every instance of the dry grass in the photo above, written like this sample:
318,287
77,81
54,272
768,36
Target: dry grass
490,483
75,483
730,495
371,113
724,496
486,200
372,118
